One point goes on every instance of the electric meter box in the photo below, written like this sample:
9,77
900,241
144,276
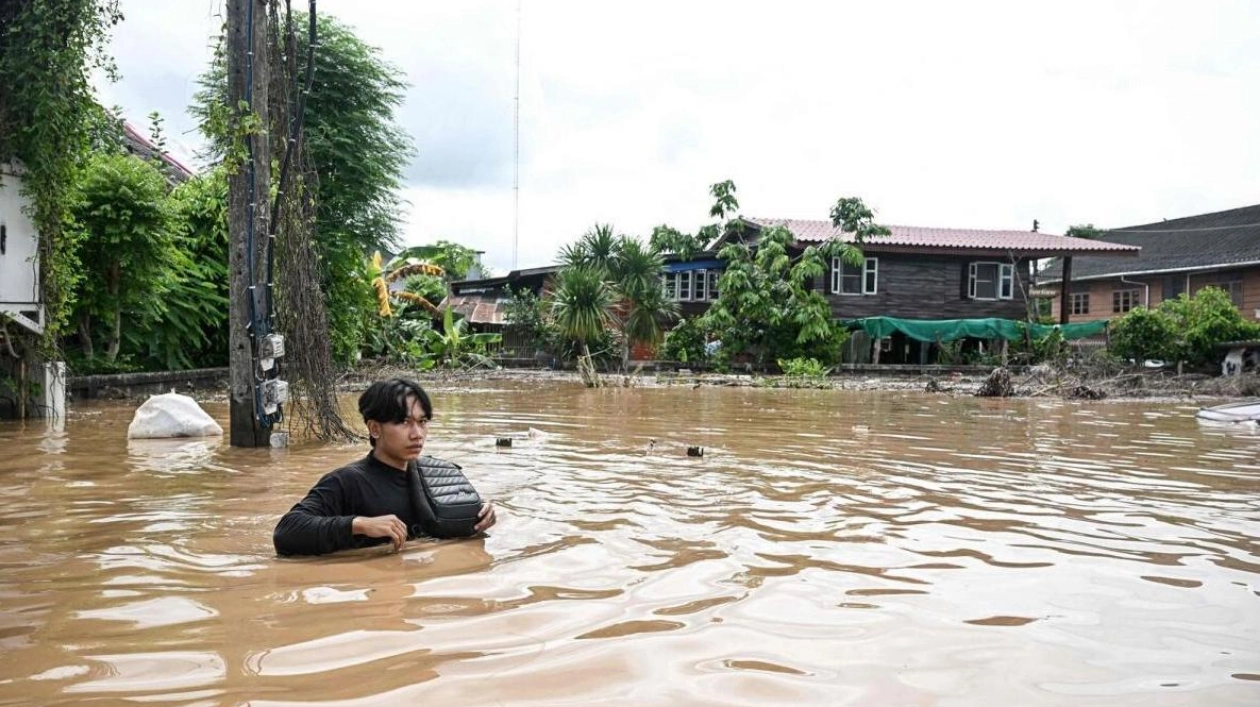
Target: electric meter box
271,346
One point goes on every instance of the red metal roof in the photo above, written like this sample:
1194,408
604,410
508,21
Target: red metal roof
961,238
141,143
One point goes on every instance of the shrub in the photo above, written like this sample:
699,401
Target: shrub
1141,335
808,368
685,343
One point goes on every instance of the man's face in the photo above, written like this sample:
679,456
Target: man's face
400,442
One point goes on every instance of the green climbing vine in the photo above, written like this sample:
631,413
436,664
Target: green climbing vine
48,48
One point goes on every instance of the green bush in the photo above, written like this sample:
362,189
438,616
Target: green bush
526,317
1142,334
1186,329
685,343
809,368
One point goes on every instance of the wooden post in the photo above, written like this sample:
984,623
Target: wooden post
875,354
1065,292
246,34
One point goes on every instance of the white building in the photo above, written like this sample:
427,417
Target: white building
22,316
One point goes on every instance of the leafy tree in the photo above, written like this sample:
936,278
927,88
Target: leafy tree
126,243
629,273
359,153
383,275
767,306
666,239
852,216
452,260
1084,230
526,320
455,260
581,304
188,326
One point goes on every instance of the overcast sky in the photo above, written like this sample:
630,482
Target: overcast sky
946,114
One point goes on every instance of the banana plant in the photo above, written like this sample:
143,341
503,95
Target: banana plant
455,345
382,275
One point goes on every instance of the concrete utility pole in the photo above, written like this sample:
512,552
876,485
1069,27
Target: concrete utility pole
248,77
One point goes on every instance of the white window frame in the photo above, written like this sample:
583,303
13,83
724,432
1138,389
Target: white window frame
691,285
1129,296
868,277
1003,282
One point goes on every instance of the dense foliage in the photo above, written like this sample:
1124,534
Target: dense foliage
528,325
612,283
768,307
359,153
1186,329
125,235
685,343
48,49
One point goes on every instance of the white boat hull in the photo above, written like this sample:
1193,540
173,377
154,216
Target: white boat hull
1246,411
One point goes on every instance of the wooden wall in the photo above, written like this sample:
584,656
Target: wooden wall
927,287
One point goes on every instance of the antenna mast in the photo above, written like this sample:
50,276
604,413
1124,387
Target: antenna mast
516,134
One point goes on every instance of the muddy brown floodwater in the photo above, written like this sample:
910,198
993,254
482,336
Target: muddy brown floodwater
829,548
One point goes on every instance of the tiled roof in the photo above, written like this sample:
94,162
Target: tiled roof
909,237
140,145
486,308
1212,240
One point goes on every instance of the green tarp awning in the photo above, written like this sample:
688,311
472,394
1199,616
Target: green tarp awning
951,329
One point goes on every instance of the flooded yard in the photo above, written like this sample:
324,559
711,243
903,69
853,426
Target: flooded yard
829,548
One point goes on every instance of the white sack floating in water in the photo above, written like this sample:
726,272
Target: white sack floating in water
171,415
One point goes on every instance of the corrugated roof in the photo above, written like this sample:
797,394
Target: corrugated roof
483,308
1214,240
807,231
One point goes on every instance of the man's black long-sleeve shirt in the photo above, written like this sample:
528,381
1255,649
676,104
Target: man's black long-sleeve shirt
321,522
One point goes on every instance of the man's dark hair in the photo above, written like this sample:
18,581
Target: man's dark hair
386,401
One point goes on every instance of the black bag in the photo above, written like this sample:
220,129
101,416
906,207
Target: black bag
447,503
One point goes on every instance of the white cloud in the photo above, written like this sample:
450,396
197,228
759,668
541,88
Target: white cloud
980,114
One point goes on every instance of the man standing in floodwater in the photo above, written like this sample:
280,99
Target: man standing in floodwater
369,502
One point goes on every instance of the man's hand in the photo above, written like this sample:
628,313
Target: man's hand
485,518
382,527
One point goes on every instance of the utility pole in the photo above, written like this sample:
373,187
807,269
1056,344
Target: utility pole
248,200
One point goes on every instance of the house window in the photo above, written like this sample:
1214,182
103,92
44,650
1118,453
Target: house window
691,285
848,279
1235,290
991,281
1080,303
1125,300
